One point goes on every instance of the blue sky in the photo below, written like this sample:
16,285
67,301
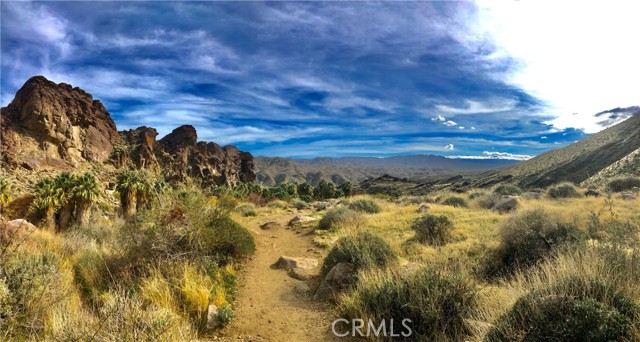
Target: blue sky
306,79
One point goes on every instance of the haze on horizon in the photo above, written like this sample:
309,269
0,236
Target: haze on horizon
306,79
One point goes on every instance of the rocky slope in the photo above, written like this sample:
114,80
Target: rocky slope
51,126
629,165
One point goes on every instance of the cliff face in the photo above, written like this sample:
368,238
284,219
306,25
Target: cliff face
56,126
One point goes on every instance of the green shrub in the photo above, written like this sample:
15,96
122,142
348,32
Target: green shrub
277,204
437,305
508,190
455,201
432,229
566,190
338,216
488,201
527,238
229,240
624,183
246,210
573,309
299,204
364,205
364,250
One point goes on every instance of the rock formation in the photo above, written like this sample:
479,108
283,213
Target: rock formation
55,126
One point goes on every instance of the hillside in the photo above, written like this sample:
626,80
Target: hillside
629,165
578,161
274,171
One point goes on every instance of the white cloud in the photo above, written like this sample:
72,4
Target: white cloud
450,123
449,147
543,137
439,118
582,58
473,128
495,155
461,127
475,107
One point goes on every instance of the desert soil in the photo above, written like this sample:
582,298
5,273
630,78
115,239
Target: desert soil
268,306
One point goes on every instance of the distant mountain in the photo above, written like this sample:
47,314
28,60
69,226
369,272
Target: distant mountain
274,170
578,161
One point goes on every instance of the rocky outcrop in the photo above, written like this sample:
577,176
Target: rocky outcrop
55,125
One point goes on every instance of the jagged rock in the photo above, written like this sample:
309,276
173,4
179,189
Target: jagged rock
302,274
627,196
50,125
507,204
531,195
301,219
15,230
270,225
423,209
592,192
285,262
342,276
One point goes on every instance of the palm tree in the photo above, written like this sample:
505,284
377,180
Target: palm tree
5,192
145,189
85,193
127,186
65,183
47,198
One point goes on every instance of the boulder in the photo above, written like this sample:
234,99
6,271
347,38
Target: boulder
322,206
270,225
342,276
285,262
627,196
508,203
592,192
15,230
302,288
302,274
301,219
212,317
423,209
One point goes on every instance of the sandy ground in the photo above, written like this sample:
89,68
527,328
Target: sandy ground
268,308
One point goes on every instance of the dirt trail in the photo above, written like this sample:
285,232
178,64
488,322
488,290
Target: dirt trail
268,308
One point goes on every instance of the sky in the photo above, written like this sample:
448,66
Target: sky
484,79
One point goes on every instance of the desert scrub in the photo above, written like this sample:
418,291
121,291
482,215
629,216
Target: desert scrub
246,209
338,216
365,205
526,239
565,190
573,309
277,204
432,229
488,200
364,250
299,204
508,190
624,183
438,305
455,201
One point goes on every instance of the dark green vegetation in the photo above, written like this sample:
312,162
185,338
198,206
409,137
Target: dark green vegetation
526,239
507,189
565,190
364,205
432,229
624,183
364,250
338,216
455,201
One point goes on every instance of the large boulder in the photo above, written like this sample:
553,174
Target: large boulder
15,230
298,219
286,262
303,274
342,276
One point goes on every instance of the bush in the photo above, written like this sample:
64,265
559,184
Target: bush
364,205
246,210
488,201
527,238
508,190
573,309
364,250
277,204
299,204
566,190
437,305
454,201
432,229
229,240
338,216
624,183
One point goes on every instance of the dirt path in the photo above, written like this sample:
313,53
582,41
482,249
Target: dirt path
268,306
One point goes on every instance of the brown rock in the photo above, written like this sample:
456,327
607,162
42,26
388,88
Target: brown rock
270,225
285,262
302,274
15,230
342,276
423,209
